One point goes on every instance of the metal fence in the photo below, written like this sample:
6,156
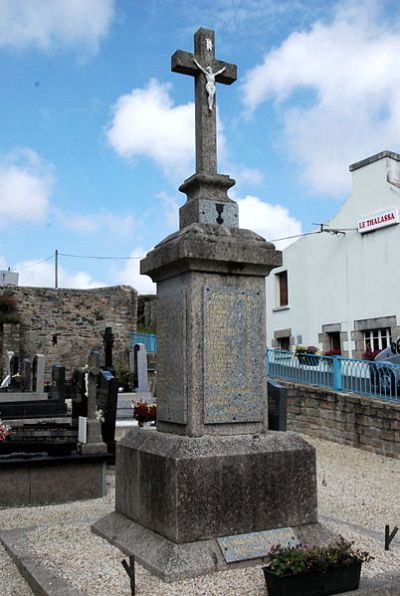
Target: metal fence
379,379
148,339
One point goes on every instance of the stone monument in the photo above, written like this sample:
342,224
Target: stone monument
212,488
94,441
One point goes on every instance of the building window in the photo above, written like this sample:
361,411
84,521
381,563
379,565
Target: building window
283,343
334,341
282,287
377,339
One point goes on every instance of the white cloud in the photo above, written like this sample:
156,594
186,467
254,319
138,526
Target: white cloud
130,274
26,184
53,23
338,87
92,223
170,212
42,275
270,221
146,122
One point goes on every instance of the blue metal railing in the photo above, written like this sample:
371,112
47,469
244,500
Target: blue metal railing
379,379
148,339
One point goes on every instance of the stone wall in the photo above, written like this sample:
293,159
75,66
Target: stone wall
349,419
65,325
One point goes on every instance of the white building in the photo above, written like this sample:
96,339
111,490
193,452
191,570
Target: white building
8,278
341,288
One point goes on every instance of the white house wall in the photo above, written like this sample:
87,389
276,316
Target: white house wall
339,279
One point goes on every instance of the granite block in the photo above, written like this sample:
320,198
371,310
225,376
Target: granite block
189,489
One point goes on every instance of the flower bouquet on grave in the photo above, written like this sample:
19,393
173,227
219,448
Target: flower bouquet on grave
5,431
143,412
304,570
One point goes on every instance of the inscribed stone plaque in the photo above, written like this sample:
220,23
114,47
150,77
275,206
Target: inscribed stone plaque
257,544
171,354
234,376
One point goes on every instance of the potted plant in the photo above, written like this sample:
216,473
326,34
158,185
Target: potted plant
330,353
143,412
307,355
305,570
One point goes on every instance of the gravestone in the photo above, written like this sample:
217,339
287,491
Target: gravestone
38,368
78,394
107,396
108,340
26,375
57,389
94,442
212,477
140,367
15,379
6,380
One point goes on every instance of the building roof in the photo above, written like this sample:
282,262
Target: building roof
376,157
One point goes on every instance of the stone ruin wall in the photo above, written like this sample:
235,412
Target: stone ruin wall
65,324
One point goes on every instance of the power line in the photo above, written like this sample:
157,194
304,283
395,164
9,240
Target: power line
35,264
323,228
61,254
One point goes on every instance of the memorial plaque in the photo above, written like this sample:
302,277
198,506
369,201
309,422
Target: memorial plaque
234,381
171,373
243,547
82,429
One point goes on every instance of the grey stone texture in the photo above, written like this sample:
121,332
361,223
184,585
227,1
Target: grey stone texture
211,329
173,561
205,487
141,368
208,202
65,324
205,119
94,441
38,368
346,418
48,480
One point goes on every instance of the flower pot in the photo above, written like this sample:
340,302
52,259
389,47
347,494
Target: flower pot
334,580
308,359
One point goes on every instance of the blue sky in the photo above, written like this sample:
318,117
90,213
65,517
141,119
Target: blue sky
97,133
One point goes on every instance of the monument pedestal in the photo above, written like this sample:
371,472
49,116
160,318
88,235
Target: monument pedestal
189,506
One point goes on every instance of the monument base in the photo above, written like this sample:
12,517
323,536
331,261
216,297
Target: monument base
172,562
187,506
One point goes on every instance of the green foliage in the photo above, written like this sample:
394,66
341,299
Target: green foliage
7,304
8,309
306,350
305,558
9,318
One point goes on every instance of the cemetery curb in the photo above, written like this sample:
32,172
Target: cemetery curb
42,580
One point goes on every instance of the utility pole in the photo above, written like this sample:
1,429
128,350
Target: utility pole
56,268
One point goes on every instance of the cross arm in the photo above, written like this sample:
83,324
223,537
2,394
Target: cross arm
229,75
183,62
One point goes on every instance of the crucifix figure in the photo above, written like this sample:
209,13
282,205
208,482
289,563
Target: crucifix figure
210,81
199,64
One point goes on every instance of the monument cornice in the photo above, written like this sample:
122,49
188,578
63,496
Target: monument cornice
211,248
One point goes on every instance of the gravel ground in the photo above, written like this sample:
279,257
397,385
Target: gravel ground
358,496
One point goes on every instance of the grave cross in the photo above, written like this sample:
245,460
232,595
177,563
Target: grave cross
203,66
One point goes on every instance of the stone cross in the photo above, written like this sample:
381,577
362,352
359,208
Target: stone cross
206,69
